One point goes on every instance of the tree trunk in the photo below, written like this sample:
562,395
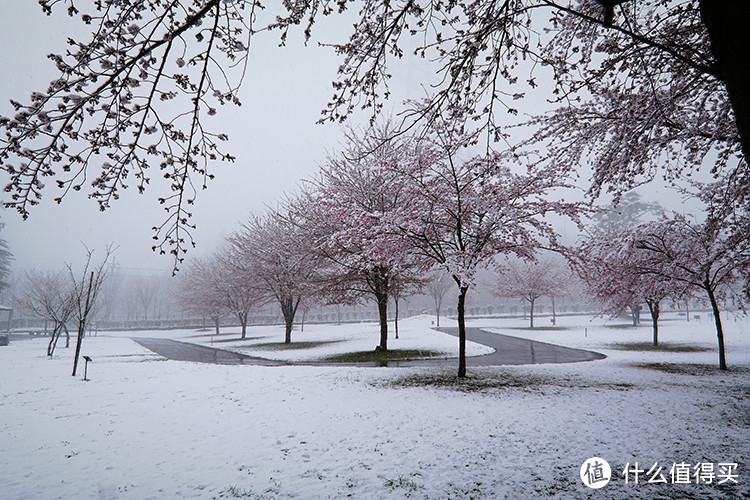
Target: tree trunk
462,332
288,330
382,299
687,309
554,316
438,304
726,22
395,323
531,313
635,316
243,321
653,307
289,310
216,324
67,336
82,324
53,340
717,321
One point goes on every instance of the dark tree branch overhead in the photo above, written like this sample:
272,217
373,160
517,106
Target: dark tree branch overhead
140,91
110,109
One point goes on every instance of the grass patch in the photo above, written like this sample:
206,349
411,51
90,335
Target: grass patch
543,328
237,492
405,483
281,346
472,382
236,339
210,332
504,379
649,346
380,356
624,326
689,368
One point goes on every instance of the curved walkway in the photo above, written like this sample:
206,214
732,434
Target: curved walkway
508,351
185,351
511,350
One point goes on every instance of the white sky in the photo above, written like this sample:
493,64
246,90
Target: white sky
273,135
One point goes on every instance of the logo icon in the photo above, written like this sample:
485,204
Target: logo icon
595,472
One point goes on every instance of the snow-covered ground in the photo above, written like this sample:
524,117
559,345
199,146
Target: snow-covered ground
144,427
320,341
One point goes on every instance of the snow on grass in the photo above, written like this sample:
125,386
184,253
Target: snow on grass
680,341
318,342
143,427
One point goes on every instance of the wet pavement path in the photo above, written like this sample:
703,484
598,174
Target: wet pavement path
185,351
508,351
517,351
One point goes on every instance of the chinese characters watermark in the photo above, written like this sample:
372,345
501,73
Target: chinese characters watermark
596,473
683,473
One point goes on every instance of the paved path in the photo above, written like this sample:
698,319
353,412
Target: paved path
517,351
185,351
508,351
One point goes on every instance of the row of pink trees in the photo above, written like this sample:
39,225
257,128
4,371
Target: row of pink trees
613,266
708,257
675,256
385,211
669,73
266,260
532,280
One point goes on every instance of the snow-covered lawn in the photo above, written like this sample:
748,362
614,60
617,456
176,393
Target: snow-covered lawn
143,427
315,342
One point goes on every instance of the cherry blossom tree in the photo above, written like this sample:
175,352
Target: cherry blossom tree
235,290
271,253
346,209
706,256
142,89
622,275
660,109
531,280
604,270
138,93
728,215
463,212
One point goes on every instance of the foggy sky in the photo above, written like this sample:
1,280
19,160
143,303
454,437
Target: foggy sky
273,135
